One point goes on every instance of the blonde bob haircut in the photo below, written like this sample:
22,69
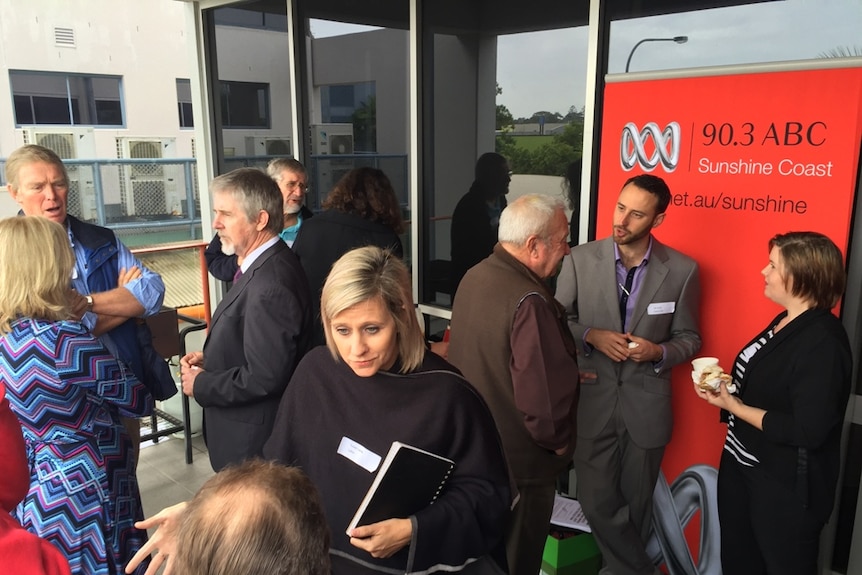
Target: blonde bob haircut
36,263
371,273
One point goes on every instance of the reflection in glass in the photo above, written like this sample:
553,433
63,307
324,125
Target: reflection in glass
357,108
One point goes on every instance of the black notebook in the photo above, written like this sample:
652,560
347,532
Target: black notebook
409,480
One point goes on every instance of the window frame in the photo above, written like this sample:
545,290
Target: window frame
73,102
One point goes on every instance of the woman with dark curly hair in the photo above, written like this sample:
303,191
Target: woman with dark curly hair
361,210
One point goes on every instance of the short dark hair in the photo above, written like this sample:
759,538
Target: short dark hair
255,192
654,185
813,265
367,193
256,518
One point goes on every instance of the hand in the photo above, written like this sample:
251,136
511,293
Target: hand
720,398
190,367
126,276
613,344
641,349
383,539
78,304
163,542
192,358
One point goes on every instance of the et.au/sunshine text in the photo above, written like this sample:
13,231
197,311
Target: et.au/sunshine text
765,203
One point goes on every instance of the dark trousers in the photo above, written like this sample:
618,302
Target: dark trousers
529,525
764,528
616,480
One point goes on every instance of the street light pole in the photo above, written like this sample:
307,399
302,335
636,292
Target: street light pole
677,39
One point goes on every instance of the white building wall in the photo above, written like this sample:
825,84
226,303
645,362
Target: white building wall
143,42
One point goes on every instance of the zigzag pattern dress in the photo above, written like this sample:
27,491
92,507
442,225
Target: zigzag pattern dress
68,392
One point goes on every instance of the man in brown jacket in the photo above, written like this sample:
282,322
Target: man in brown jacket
509,338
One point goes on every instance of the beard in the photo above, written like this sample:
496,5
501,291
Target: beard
227,248
292,208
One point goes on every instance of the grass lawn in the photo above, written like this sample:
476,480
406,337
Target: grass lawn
532,142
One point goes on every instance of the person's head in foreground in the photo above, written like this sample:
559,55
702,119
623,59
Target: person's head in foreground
534,229
806,266
368,315
257,518
36,264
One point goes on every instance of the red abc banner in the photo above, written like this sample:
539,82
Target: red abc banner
746,156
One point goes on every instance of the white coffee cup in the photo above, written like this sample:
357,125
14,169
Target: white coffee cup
701,363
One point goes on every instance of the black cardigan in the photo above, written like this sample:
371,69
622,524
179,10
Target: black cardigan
801,377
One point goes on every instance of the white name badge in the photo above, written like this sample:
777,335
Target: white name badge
661,308
358,454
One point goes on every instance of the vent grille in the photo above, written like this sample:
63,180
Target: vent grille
64,37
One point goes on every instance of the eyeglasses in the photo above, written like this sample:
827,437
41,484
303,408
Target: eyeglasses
294,185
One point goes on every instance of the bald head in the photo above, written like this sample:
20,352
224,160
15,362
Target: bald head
259,518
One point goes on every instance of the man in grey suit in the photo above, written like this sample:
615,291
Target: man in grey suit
632,305
259,331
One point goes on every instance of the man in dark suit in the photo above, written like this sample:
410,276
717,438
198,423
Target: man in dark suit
260,330
633,306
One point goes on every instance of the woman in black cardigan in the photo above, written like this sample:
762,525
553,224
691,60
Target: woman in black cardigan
779,468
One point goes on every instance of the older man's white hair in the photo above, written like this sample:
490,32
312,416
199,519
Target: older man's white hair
527,216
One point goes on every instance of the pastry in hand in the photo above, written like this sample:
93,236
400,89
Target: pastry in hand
711,378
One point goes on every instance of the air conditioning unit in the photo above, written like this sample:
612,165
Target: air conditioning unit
71,143
331,139
268,146
152,191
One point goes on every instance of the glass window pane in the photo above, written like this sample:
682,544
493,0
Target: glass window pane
255,118
500,79
245,105
23,110
45,98
51,110
359,82
109,113
81,90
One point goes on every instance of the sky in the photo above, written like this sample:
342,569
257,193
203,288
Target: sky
547,70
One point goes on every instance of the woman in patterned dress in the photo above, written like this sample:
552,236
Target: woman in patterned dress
68,392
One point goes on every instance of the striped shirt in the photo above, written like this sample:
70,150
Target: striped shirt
731,444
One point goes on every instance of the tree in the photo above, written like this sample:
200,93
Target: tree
549,159
842,52
549,117
505,120
574,114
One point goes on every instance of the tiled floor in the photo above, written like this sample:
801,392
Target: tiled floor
164,477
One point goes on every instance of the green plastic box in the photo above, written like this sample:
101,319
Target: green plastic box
571,553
